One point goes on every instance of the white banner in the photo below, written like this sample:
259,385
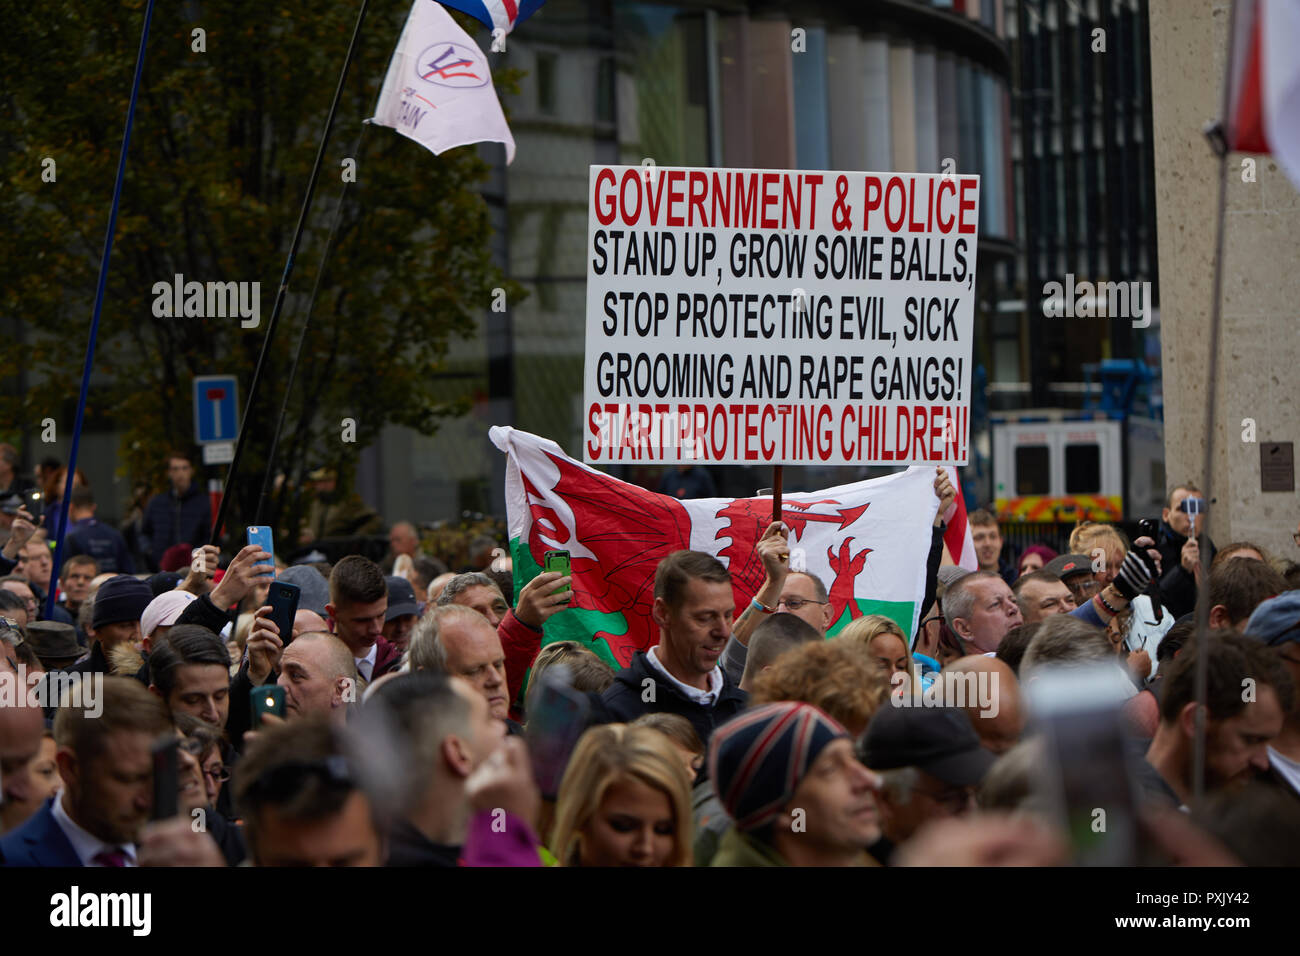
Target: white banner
438,90
743,316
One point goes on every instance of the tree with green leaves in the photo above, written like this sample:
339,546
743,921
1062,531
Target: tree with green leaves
232,104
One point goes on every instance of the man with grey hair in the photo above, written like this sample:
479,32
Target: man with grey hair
459,642
980,609
1062,639
440,730
519,630
403,539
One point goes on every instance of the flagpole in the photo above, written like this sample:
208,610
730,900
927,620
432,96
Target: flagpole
284,283
778,476
302,337
94,320
1218,142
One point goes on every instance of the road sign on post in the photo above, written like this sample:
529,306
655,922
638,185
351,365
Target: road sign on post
216,409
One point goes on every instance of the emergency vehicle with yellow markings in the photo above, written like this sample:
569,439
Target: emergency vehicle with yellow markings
1066,466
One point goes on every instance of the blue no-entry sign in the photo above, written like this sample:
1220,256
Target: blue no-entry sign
216,409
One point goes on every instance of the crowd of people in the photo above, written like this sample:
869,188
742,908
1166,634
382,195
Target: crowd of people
427,722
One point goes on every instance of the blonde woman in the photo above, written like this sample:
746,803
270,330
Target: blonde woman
625,800
885,643
1096,540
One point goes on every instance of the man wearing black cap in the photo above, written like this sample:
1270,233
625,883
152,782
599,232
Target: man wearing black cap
1276,623
1075,572
119,602
930,761
402,613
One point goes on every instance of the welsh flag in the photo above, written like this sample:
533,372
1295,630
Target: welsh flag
867,542
957,541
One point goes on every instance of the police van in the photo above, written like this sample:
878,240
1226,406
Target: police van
1056,465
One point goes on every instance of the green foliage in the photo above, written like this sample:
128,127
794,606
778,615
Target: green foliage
220,158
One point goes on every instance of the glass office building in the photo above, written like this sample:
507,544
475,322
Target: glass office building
871,85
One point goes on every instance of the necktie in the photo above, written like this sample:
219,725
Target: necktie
363,668
110,858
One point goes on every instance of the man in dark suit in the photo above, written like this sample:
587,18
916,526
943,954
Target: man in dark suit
107,771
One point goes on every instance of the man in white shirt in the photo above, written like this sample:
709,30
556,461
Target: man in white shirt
358,605
106,766
694,608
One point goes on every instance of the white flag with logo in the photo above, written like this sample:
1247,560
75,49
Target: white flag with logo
439,90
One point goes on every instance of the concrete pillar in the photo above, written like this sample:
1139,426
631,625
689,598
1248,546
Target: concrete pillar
1259,351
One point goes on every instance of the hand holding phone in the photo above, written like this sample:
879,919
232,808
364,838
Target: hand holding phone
166,778
557,717
558,561
1086,778
262,536
267,699
283,600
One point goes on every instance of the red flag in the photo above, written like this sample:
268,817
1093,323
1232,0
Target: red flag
1264,82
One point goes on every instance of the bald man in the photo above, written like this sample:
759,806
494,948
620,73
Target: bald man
1000,725
306,622
319,677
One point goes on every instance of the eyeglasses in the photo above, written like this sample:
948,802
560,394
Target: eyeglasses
795,603
220,775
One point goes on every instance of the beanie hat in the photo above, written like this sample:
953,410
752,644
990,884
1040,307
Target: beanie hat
163,610
120,598
758,760
176,557
314,590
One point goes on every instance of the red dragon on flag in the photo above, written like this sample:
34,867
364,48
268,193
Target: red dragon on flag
866,541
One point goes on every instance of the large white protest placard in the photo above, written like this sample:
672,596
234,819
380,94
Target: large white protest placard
743,316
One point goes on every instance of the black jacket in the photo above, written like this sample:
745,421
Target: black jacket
407,846
624,700
1177,587
102,542
170,520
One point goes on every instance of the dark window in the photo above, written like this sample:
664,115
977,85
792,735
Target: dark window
1082,469
546,83
605,90
1033,470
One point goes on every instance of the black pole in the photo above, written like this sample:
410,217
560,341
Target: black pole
284,283
302,339
1216,135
